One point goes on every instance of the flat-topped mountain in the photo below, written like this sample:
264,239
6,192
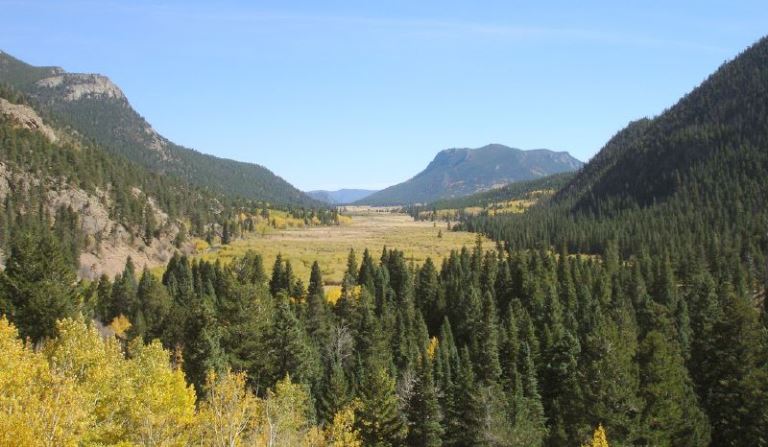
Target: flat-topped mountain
460,172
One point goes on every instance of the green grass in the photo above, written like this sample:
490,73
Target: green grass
369,228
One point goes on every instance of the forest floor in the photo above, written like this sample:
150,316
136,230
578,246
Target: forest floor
371,228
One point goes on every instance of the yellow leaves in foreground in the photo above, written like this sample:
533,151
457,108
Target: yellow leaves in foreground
232,416
81,389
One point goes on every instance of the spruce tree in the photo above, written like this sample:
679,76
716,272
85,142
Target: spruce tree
671,414
38,284
378,416
424,415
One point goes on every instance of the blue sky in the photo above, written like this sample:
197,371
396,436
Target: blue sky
363,94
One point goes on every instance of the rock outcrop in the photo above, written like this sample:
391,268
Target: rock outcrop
26,117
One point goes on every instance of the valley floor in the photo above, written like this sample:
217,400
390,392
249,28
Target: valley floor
371,228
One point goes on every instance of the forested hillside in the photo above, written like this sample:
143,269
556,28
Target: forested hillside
460,172
512,198
685,191
97,109
101,206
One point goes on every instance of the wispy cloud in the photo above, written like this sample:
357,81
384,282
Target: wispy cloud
202,15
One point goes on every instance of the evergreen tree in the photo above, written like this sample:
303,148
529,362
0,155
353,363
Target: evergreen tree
378,417
671,414
424,415
38,284
276,284
288,349
335,393
735,375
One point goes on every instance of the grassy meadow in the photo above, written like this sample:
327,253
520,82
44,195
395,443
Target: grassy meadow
372,228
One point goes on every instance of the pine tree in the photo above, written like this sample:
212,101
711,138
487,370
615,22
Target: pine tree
316,282
38,284
528,422
464,422
487,357
154,304
378,417
276,284
424,416
735,377
671,415
288,349
335,393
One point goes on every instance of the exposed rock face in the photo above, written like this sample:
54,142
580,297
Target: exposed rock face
78,85
26,117
108,243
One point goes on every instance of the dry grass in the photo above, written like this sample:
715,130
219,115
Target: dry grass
369,228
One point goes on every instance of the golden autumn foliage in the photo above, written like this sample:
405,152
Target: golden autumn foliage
83,389
599,439
120,325
342,432
432,347
332,294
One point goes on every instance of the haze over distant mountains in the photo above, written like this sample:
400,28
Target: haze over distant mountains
340,196
460,172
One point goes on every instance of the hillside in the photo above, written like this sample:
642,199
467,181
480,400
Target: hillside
697,169
675,206
460,172
340,196
512,191
718,130
97,109
101,207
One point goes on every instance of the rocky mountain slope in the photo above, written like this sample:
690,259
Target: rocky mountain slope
97,109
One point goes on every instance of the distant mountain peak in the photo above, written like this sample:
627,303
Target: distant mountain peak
458,172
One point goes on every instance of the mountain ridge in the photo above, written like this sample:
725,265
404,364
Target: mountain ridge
457,172
341,196
95,107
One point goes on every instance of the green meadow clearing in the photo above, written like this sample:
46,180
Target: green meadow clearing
371,228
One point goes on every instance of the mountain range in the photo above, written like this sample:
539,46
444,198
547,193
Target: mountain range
460,172
340,196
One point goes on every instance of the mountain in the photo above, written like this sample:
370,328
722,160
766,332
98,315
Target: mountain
694,176
543,186
340,196
715,136
96,108
460,172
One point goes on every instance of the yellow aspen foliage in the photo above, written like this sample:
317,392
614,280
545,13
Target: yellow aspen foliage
120,325
38,407
342,432
599,439
229,415
432,347
162,408
201,245
96,365
285,416
332,294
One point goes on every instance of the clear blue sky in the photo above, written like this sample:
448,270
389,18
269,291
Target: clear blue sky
333,94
